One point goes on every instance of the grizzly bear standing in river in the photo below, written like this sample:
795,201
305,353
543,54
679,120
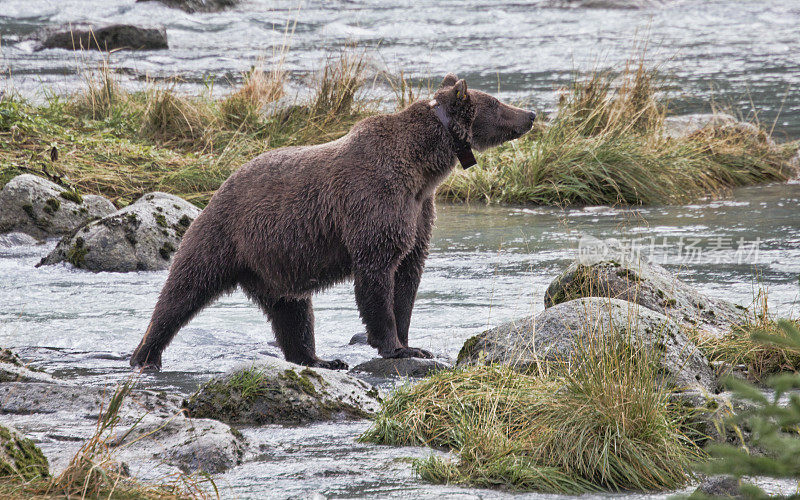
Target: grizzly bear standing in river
296,220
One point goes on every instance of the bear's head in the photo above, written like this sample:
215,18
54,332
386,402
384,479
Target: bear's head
492,122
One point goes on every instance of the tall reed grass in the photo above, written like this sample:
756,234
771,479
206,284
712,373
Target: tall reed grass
743,347
122,144
605,423
607,145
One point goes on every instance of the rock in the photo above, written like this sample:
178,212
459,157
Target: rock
198,5
140,237
192,445
720,124
719,487
706,416
111,37
12,369
278,392
685,125
9,240
150,425
603,269
20,457
359,339
40,208
403,367
80,402
794,163
552,336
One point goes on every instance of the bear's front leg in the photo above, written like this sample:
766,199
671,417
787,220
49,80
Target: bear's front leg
374,290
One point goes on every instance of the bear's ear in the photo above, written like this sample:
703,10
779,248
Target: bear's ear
448,81
460,88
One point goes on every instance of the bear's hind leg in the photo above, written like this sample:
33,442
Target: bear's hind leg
192,283
293,325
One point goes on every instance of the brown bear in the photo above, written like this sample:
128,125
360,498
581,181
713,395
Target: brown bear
296,220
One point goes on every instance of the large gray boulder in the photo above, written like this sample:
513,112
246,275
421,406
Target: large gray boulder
40,208
20,457
111,37
192,445
603,269
278,392
555,333
140,237
198,5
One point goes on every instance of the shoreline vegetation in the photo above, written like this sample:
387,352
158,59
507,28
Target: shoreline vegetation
604,423
606,144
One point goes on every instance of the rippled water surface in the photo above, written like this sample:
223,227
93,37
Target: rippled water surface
739,52
487,265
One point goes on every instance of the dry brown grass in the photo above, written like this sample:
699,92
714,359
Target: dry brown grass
94,472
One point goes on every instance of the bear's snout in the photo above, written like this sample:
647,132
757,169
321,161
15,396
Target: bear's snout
533,116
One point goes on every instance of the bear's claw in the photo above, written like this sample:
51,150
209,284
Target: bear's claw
335,364
408,352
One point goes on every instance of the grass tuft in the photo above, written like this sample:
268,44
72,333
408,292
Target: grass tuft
744,347
607,145
604,424
94,473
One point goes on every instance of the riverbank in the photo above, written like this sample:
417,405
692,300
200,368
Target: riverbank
607,144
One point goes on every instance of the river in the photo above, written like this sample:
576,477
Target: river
735,53
487,264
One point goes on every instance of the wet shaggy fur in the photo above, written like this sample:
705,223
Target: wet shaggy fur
296,220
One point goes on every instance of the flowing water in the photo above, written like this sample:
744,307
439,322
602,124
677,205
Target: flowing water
742,54
487,264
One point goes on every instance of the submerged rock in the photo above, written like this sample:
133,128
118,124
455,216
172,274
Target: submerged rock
192,445
554,334
602,269
719,487
12,369
402,367
8,240
151,426
40,208
20,457
359,339
112,37
140,237
278,392
198,5
685,125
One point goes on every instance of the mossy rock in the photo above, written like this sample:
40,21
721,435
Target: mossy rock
278,392
140,237
12,369
20,457
35,206
554,335
605,269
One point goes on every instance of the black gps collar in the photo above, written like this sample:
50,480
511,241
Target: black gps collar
463,148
